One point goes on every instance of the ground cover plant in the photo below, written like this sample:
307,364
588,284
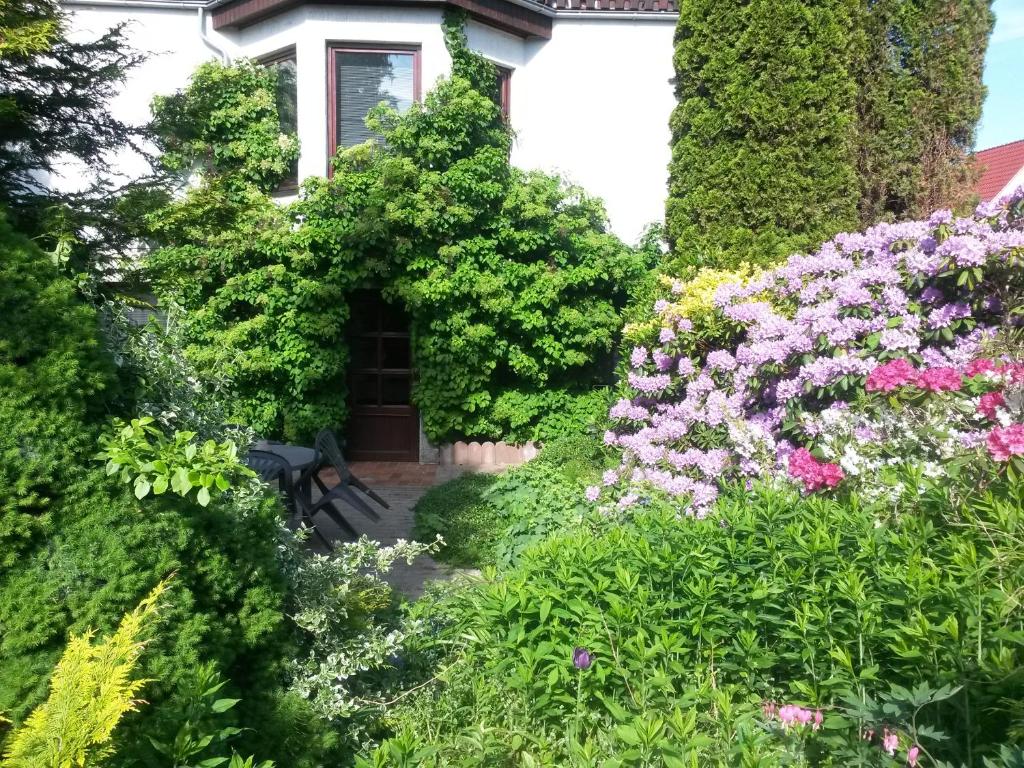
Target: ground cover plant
489,520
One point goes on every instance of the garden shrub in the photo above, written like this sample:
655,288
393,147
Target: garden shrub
902,627
796,120
458,513
79,550
920,94
865,352
512,282
53,376
93,686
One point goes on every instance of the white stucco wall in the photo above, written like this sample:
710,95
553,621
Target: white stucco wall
591,103
595,105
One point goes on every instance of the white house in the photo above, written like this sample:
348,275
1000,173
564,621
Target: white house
587,83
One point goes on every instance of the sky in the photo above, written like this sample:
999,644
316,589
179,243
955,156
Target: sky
1002,118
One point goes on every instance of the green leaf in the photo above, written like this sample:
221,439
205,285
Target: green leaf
203,497
223,705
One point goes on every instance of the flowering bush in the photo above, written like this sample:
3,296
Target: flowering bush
891,321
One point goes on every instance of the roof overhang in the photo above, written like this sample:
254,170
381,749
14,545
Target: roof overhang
519,17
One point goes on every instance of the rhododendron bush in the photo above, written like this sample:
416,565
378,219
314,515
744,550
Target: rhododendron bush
858,365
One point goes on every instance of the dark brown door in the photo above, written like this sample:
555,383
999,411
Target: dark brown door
383,425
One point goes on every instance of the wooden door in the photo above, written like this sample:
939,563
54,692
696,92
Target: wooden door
383,424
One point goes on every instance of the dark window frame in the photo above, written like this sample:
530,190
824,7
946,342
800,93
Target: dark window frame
505,89
336,47
289,186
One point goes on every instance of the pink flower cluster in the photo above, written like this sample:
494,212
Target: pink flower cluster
812,331
989,403
890,376
812,473
901,373
1005,442
792,716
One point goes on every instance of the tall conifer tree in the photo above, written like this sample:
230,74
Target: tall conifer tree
763,160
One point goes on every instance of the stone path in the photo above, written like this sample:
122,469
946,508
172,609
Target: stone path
401,485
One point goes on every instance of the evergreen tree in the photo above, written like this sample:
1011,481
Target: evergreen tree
920,98
54,104
799,118
763,160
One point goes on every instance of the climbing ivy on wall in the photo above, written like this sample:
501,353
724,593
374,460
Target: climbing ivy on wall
512,282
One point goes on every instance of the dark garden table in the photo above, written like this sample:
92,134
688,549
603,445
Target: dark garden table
299,457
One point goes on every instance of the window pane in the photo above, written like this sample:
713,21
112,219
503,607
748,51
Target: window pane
364,79
365,390
287,108
395,353
395,390
364,353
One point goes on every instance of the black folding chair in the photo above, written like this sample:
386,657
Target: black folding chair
329,455
272,469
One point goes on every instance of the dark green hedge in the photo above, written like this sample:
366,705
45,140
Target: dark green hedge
763,134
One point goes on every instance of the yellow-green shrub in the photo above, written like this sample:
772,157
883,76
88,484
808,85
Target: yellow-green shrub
93,687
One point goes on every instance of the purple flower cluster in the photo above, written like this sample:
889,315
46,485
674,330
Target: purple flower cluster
810,331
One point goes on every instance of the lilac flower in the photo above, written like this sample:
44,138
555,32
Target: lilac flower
720,360
650,384
662,361
638,357
666,335
942,317
592,493
894,339
610,477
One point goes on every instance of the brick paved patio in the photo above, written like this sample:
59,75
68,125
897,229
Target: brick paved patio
401,484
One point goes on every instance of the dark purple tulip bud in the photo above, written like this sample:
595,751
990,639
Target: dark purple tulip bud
581,658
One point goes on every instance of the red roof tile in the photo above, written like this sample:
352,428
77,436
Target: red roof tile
998,165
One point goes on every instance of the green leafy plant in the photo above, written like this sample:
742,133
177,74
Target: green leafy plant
513,284
199,736
145,457
893,627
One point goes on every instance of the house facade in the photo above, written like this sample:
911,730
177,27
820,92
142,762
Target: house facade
586,83
586,89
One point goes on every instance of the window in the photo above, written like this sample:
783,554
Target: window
361,78
287,106
504,90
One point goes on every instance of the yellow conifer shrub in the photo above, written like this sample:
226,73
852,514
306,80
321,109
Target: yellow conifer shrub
91,689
